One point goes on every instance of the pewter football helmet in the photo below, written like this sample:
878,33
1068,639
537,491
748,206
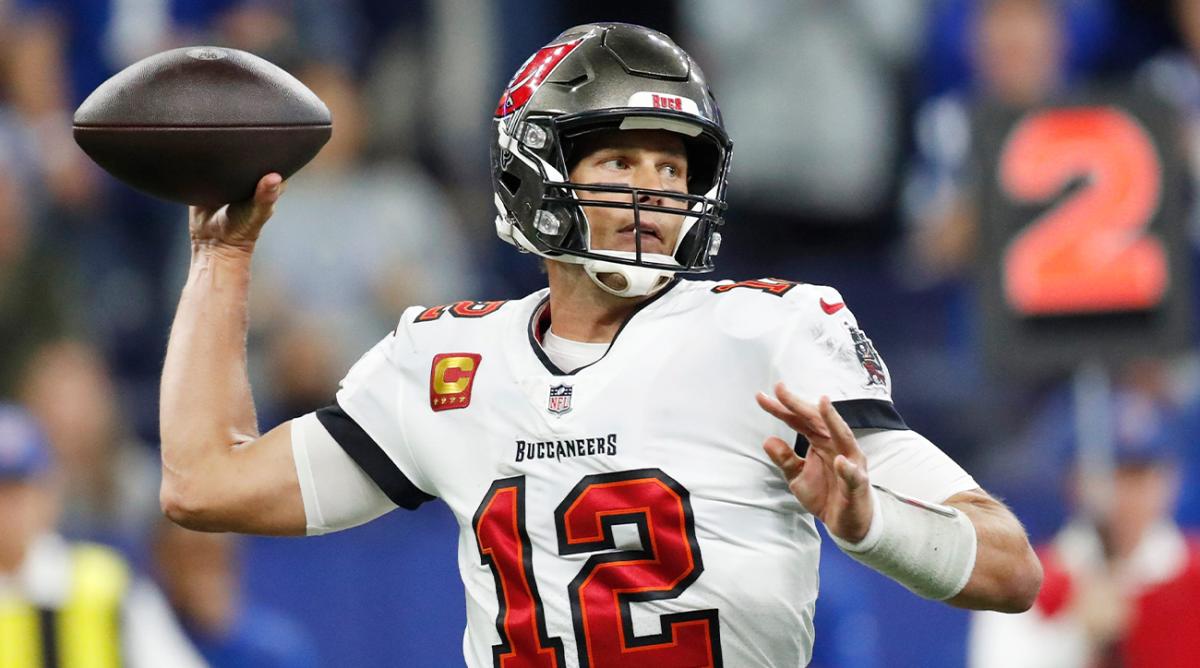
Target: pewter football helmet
607,76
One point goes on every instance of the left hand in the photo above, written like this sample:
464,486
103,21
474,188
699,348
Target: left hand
830,481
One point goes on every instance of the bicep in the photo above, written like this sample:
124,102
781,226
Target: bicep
260,489
295,480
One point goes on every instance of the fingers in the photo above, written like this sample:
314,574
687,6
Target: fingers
843,436
822,424
197,211
269,188
851,474
250,215
810,414
268,192
852,519
772,406
196,217
784,457
794,412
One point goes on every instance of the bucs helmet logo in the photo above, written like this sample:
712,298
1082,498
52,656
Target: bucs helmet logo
531,75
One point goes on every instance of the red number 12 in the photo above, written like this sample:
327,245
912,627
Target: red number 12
666,563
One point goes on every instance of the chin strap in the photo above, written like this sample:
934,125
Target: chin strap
631,281
634,281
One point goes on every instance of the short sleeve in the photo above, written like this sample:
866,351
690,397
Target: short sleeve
337,493
823,352
367,421
907,462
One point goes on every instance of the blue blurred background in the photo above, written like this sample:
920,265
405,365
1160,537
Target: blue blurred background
854,165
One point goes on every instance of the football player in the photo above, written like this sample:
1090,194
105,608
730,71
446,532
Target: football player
627,493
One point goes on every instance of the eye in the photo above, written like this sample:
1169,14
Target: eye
615,163
670,170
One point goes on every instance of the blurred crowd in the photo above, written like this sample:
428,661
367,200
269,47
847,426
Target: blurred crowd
856,164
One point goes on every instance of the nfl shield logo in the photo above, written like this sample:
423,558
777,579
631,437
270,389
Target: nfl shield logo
560,399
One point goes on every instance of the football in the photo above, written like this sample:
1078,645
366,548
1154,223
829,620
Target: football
201,125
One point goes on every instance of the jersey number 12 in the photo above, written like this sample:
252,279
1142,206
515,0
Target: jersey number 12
667,562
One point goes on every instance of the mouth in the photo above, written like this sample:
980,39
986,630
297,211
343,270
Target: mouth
648,230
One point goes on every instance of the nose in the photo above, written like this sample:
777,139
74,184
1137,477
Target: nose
648,177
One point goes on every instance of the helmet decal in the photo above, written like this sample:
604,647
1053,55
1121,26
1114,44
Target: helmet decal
531,75
664,101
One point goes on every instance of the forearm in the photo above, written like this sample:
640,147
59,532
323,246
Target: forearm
1007,573
969,551
218,474
206,407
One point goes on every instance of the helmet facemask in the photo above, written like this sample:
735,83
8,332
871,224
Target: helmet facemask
560,227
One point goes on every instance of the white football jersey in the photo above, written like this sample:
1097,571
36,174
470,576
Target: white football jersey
623,514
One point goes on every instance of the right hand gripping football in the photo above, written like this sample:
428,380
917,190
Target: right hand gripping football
237,225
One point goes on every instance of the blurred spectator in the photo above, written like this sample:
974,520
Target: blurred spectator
1018,60
118,240
289,32
33,290
300,363
1121,580
111,481
63,603
1047,433
1175,76
201,575
1092,31
356,243
808,90
40,77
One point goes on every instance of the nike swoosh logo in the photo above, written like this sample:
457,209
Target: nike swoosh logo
831,308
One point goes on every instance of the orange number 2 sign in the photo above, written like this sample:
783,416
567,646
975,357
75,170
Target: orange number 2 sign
1093,252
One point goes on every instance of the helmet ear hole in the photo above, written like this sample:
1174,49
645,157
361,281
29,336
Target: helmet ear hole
511,182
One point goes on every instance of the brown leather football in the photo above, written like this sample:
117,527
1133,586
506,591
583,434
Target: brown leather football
201,125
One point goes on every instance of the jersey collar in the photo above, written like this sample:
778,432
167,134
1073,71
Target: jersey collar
539,324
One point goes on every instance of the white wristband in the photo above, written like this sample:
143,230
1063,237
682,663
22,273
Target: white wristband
927,547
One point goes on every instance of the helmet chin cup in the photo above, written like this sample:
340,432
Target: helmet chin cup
633,281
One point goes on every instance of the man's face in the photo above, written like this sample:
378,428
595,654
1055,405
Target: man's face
1019,50
1143,495
651,159
29,511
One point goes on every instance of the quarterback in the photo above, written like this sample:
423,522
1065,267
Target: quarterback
637,462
